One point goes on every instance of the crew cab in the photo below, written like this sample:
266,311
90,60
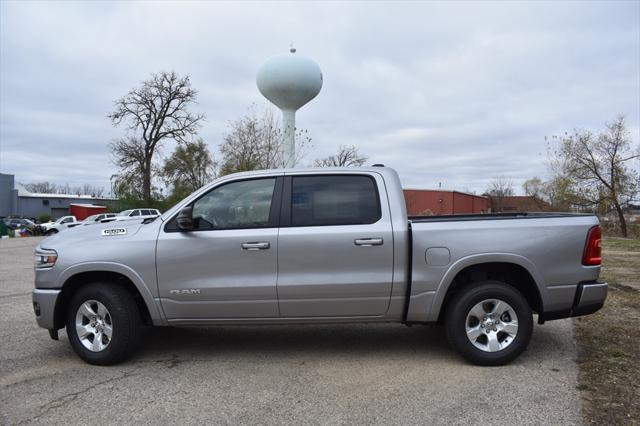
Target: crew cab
317,246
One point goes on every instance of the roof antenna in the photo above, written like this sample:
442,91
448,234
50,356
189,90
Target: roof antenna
291,48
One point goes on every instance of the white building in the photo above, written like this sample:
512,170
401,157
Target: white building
16,201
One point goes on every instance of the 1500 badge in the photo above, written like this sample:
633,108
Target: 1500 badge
114,231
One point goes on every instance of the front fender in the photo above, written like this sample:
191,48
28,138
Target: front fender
155,311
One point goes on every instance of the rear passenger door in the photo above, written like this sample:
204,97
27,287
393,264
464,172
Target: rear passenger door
335,247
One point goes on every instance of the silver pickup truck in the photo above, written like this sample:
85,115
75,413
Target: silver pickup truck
317,246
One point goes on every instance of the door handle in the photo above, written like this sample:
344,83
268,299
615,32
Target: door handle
368,242
255,246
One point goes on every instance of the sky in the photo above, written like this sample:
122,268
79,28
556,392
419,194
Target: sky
447,93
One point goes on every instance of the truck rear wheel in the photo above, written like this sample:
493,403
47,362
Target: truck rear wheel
489,323
103,323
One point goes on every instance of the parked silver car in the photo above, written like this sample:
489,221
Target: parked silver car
317,245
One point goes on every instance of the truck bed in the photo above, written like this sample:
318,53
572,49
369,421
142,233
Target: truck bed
547,246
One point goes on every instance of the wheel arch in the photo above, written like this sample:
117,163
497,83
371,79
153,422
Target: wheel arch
80,276
512,269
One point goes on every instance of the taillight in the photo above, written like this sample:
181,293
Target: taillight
592,255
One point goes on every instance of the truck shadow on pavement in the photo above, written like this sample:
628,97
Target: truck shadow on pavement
318,340
338,341
372,342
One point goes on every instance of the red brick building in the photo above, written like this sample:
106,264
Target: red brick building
439,202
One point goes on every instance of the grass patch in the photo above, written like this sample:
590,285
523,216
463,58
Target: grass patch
621,244
609,341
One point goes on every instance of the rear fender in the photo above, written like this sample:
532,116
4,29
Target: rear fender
477,259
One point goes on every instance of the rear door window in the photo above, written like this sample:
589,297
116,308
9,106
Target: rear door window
334,200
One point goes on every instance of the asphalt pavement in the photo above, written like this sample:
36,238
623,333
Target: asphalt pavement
311,374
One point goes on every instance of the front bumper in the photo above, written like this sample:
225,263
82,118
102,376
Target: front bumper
44,306
589,298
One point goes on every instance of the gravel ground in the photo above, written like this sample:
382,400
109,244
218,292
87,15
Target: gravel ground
609,354
338,374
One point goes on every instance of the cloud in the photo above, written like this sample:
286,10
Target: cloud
456,93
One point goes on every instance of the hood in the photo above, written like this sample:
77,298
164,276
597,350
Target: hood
119,230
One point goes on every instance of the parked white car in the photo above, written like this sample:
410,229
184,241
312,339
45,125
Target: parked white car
136,214
61,224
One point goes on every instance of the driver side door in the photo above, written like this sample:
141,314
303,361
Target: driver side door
226,267
66,222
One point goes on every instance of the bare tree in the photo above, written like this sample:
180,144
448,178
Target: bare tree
42,187
130,157
190,166
536,188
499,188
557,192
85,189
52,188
347,156
154,112
65,189
255,142
94,191
599,166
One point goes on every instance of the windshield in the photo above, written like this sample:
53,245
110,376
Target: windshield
90,218
125,213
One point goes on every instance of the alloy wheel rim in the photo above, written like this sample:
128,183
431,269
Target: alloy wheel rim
94,325
491,325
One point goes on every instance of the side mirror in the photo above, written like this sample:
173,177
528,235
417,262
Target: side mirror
185,219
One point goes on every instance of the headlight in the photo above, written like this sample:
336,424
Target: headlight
44,259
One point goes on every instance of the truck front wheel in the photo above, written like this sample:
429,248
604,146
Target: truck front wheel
103,323
489,323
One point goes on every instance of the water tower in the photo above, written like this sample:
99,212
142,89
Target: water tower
289,81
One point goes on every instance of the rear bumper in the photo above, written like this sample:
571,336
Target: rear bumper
44,306
589,298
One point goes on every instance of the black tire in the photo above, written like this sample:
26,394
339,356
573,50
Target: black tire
461,305
51,232
124,317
